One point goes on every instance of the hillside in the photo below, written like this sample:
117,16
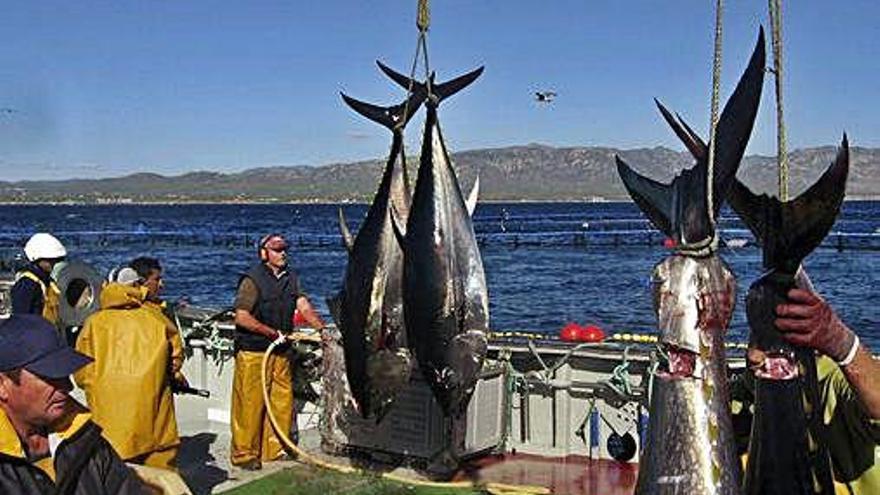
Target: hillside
528,173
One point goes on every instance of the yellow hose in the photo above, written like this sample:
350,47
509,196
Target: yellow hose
307,458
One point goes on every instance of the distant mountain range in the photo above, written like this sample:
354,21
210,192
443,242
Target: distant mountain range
519,173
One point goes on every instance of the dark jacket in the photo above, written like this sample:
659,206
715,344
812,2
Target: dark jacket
275,306
26,294
85,464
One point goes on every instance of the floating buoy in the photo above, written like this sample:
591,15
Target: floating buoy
669,243
571,332
592,333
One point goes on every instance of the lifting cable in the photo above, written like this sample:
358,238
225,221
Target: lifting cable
423,22
713,119
775,7
307,458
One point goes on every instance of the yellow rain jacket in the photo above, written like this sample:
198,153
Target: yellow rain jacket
177,356
128,385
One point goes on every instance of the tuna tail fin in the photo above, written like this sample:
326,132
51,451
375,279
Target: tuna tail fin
652,197
439,92
691,140
679,209
471,202
789,231
393,117
347,238
736,122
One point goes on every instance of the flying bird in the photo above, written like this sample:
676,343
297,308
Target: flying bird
544,96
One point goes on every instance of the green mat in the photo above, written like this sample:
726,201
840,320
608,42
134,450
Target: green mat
303,480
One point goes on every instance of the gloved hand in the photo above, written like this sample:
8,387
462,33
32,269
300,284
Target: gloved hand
808,321
180,380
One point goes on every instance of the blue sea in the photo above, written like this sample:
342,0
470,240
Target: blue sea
546,263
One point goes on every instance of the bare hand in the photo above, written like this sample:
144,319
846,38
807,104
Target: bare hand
808,321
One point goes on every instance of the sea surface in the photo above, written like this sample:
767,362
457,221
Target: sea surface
546,263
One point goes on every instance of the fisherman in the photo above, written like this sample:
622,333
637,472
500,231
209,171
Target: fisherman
136,354
34,291
268,295
48,441
149,273
848,386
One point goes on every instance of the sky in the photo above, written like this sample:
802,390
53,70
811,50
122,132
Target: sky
105,88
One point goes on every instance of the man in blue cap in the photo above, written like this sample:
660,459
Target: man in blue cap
48,443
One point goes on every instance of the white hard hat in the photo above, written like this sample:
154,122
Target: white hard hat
43,246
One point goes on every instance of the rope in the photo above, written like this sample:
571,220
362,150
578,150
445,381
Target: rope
619,381
713,120
307,458
423,22
781,147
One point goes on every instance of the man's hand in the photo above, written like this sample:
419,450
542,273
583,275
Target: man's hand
808,321
180,380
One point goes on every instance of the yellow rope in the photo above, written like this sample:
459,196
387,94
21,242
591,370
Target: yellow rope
781,151
423,19
307,458
713,119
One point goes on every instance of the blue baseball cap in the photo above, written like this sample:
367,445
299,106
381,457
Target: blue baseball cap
30,342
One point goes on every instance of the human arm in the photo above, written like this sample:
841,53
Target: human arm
246,320
85,376
808,320
175,343
27,297
245,301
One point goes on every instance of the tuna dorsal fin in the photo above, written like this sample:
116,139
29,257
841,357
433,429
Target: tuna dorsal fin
471,202
399,227
440,91
789,231
334,304
652,197
347,238
392,117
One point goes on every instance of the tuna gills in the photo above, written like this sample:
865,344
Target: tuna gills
690,445
445,297
787,448
369,308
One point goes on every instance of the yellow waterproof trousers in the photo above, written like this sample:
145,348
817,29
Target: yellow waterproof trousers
162,459
252,434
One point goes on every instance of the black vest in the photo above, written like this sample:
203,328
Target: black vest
276,302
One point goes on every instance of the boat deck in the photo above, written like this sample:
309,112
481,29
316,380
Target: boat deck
204,463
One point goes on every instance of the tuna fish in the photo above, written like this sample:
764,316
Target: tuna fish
787,449
690,444
446,301
369,308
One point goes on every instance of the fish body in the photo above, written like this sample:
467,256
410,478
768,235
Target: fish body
369,309
788,451
690,445
446,302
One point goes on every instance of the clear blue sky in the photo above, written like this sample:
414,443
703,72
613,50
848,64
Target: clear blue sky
169,86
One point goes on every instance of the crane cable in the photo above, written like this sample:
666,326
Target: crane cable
307,458
423,22
713,119
775,7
